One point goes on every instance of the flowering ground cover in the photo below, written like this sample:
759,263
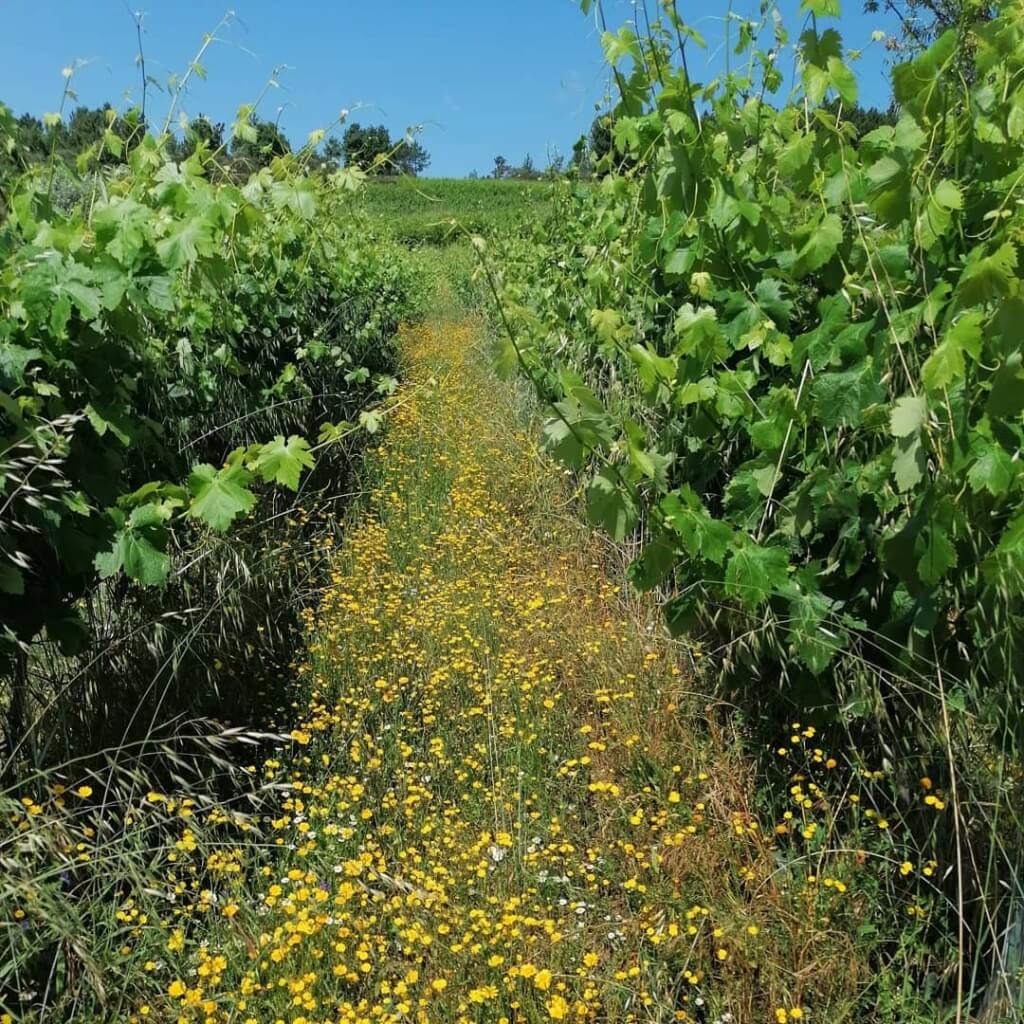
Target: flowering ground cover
501,799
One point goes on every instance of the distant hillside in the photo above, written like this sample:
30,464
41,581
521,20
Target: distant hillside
421,210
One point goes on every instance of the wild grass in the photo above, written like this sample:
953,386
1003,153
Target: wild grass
436,211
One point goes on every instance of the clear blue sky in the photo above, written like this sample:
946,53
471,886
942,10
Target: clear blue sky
483,76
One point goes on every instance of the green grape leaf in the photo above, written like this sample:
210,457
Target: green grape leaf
987,277
606,322
817,51
755,572
185,243
815,642
946,363
333,433
943,366
619,45
14,359
948,195
506,360
562,442
932,224
697,391
918,84
795,154
908,415
219,496
117,421
939,555
651,464
122,226
823,243
610,505
371,420
992,470
656,373
1004,567
679,262
840,398
908,464
85,298
296,196
1006,399
701,535
135,554
280,461
654,563
936,218
821,8
908,134
843,80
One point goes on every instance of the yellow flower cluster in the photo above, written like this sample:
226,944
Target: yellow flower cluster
461,833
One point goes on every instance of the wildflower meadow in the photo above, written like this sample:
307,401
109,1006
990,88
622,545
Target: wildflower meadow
588,593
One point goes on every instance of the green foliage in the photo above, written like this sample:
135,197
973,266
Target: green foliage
923,21
99,133
151,341
526,171
254,143
827,357
371,149
427,211
201,131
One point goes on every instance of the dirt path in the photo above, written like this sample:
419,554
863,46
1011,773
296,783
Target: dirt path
494,810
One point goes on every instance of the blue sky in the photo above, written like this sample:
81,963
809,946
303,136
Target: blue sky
482,76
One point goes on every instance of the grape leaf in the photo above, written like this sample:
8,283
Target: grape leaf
185,243
1006,399
987,277
815,643
14,359
946,362
755,572
821,8
908,415
610,505
843,80
656,372
282,461
1005,566
823,243
137,556
795,153
219,496
370,420
993,469
908,464
918,84
296,196
11,580
939,555
842,397
606,322
948,195
653,564
701,535
562,442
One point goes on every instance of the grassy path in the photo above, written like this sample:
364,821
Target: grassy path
493,810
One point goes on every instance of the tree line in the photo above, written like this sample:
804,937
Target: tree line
109,136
